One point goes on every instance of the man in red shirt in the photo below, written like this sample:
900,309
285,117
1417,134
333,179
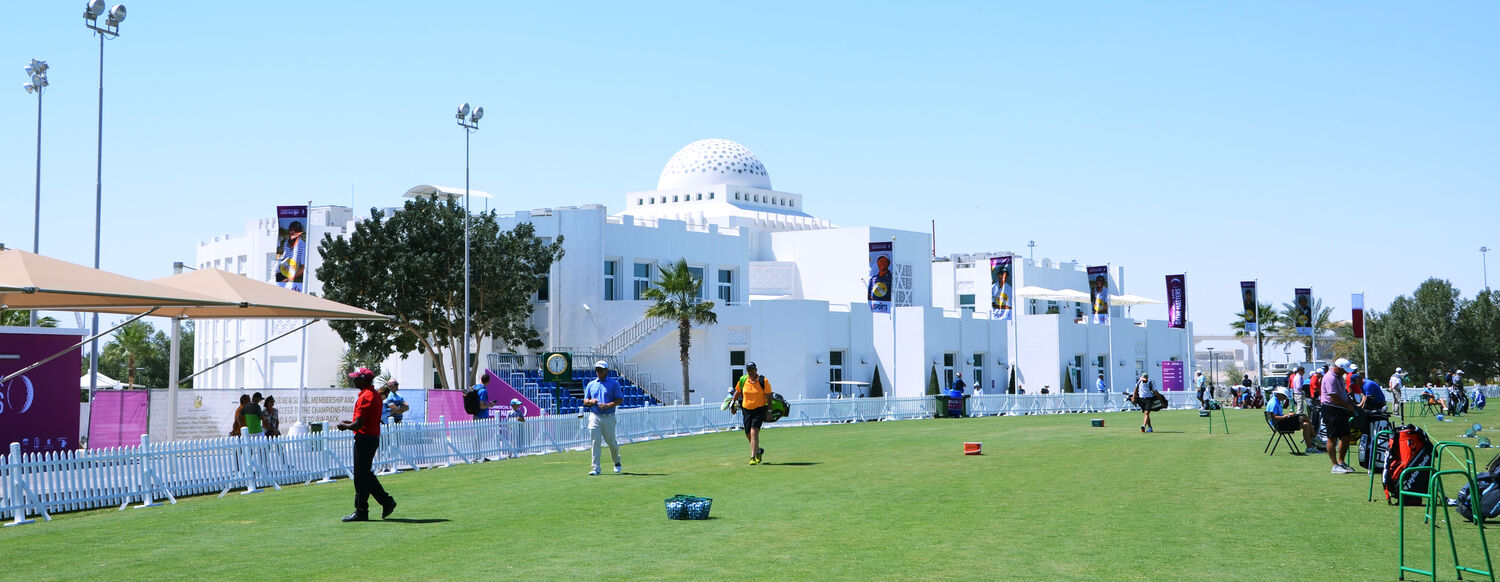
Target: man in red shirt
366,427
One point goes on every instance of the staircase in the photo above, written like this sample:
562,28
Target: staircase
611,349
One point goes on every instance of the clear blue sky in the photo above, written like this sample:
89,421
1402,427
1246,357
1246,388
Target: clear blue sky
1345,146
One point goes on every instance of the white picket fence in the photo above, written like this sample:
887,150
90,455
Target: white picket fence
42,483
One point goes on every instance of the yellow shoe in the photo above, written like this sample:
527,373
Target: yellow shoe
754,460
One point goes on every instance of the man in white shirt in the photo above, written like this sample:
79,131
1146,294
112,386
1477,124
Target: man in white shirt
1395,384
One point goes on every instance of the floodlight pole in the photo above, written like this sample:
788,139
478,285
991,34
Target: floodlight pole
111,29
38,83
470,125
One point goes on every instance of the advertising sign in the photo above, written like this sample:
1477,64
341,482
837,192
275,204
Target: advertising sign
39,409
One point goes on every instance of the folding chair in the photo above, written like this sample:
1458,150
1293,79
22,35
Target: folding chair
1279,436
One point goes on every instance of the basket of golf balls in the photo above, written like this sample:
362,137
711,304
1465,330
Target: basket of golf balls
688,507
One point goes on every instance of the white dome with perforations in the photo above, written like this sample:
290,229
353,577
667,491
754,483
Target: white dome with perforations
709,162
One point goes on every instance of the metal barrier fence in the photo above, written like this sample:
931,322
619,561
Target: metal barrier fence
41,483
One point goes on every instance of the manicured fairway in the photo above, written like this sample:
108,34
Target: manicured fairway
1050,499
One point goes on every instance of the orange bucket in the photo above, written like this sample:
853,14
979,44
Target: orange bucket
972,448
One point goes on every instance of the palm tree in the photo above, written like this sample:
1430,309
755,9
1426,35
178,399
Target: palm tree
132,341
1269,323
22,318
676,294
1286,333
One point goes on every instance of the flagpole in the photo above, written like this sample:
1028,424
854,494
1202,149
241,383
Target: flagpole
1260,358
1015,326
1364,338
306,283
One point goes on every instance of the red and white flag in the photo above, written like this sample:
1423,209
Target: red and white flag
1357,301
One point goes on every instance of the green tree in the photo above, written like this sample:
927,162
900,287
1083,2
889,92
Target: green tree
130,343
1418,333
410,266
22,318
351,360
1286,328
876,389
1478,331
932,383
1267,320
675,294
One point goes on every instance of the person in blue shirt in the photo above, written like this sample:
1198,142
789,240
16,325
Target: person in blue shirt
600,398
1374,396
394,406
484,397
1277,406
1100,385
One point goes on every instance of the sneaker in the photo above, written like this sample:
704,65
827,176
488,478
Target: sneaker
1341,470
617,467
357,516
1143,428
754,460
593,472
385,510
759,452
1312,451
1348,468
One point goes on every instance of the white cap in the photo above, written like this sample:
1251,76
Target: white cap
1399,370
1342,363
601,364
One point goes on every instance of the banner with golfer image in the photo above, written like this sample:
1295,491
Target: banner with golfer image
291,246
1001,290
1099,294
1303,311
1247,296
1177,301
880,277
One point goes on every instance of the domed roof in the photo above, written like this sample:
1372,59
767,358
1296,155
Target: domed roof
709,162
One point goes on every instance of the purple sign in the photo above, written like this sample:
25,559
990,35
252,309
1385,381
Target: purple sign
1171,376
1177,301
450,403
39,409
117,418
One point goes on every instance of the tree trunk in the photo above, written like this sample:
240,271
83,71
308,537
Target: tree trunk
685,341
130,361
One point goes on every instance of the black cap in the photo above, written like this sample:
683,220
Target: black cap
749,365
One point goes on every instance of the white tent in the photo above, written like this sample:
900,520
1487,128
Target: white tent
104,382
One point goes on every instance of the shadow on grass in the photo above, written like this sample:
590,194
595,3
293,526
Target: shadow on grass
644,474
410,520
798,464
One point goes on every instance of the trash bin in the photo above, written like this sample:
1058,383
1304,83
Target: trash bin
314,427
942,406
958,406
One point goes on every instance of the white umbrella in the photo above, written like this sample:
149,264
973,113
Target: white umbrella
1127,300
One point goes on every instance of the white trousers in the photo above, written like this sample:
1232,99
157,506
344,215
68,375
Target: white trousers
602,428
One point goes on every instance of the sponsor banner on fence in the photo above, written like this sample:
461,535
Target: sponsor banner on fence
117,418
1357,301
1172,378
39,409
1001,288
881,280
1177,301
209,413
1303,308
291,247
1247,298
1099,294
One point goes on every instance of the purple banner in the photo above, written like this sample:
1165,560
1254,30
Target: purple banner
450,403
117,418
1172,379
1001,288
1099,294
39,409
1177,301
291,246
880,277
1247,298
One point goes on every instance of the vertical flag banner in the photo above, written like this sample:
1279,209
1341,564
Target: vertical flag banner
1099,293
1177,301
1252,313
1357,301
880,277
1001,290
1303,306
291,246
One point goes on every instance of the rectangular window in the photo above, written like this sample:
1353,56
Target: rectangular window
697,273
726,286
966,303
736,366
642,279
836,373
611,280
544,288
948,360
977,375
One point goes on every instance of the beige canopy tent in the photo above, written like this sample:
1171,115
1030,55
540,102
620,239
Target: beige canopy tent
250,299
31,281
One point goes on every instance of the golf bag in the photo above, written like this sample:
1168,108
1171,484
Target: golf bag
1489,497
1409,447
1458,402
1377,454
777,409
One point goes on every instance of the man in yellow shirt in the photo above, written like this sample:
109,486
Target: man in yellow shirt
753,392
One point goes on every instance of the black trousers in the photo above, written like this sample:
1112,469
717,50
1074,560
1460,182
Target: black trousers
365,483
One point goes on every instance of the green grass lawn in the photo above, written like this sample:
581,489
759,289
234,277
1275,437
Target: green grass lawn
1051,498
